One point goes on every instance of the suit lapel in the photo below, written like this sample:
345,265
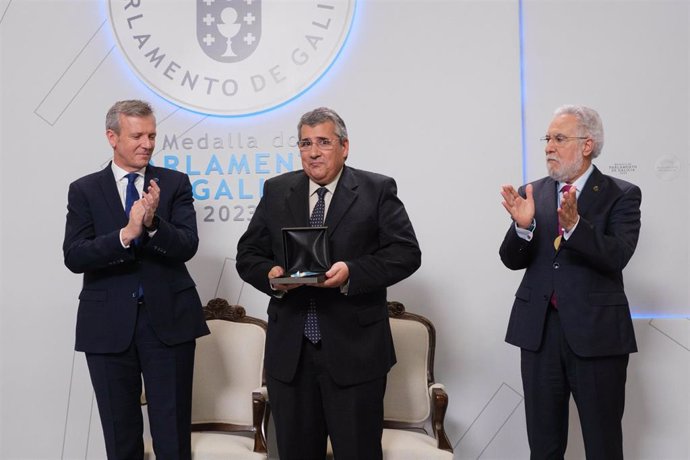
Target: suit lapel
111,195
343,198
297,202
548,202
150,174
593,187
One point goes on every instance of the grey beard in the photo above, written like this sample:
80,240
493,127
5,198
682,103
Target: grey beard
567,171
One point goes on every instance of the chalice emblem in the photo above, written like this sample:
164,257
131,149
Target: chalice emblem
228,28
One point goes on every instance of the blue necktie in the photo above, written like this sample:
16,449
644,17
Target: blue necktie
311,325
132,195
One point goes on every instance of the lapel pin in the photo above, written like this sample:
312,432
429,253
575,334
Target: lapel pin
146,186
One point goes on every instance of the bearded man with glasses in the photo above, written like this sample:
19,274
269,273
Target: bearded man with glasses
573,232
329,345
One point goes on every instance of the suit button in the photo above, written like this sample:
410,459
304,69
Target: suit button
556,265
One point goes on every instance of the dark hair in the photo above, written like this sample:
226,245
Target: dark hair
323,115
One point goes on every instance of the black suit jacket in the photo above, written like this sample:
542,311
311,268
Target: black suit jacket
112,274
586,272
368,229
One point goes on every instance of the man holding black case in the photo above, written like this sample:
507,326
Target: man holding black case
329,345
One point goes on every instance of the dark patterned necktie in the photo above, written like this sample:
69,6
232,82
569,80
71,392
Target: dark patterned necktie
311,324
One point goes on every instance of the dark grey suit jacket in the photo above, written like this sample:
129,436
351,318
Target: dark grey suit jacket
368,229
586,272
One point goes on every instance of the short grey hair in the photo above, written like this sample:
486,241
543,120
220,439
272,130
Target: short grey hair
589,122
323,115
130,108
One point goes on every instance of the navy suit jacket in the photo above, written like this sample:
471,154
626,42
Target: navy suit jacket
113,274
369,230
586,272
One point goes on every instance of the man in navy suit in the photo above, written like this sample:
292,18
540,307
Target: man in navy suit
574,232
130,229
331,384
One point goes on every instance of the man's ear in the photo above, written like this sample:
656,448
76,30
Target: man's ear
112,137
587,148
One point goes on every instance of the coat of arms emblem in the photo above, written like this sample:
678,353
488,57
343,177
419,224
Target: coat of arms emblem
228,30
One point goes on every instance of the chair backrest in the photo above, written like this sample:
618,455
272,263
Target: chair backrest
407,399
228,367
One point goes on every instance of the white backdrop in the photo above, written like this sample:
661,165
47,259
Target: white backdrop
437,94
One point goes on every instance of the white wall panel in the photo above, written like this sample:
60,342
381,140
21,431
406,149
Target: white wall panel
431,93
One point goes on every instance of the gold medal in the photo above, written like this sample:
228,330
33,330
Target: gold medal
557,242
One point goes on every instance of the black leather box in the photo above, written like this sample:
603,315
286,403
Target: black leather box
307,256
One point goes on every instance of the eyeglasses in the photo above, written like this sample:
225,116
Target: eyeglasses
560,139
322,143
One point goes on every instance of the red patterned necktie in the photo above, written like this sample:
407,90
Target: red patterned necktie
557,241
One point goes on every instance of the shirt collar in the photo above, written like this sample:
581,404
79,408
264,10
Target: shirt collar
120,173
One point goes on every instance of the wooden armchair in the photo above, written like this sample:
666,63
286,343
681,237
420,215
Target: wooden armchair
414,405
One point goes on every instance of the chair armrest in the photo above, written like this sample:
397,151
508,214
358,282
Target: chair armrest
263,390
260,412
439,405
